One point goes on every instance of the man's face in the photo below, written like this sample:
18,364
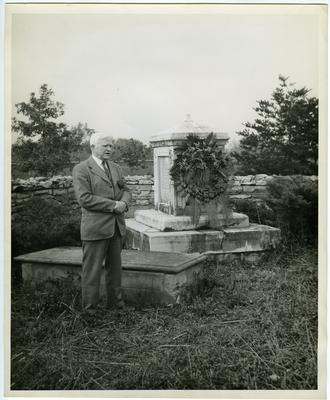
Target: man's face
102,148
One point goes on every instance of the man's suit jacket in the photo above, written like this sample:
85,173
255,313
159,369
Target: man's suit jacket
97,197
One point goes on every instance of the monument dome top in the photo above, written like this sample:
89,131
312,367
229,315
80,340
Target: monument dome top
182,130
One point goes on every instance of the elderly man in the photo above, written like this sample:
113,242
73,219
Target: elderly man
102,193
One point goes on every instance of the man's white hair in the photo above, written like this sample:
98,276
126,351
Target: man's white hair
95,137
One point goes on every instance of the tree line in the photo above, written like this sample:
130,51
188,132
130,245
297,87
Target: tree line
282,140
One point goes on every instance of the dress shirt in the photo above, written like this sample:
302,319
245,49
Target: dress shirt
98,161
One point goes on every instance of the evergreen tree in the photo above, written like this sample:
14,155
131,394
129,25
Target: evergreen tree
283,139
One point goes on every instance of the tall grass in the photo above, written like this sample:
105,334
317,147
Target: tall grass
241,327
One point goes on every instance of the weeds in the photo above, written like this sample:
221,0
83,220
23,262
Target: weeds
243,327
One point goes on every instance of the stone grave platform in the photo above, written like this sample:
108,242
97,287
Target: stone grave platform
165,222
242,242
148,277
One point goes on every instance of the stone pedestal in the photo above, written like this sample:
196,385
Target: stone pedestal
242,241
165,145
166,222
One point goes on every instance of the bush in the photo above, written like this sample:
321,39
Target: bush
291,204
45,223
295,204
259,213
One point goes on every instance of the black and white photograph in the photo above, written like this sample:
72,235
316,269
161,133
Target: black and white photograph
165,174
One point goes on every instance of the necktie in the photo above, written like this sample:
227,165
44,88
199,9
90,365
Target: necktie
106,170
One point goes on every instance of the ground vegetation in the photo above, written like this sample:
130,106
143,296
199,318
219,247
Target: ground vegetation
241,327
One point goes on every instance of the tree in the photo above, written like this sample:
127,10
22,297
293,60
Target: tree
44,145
131,151
283,139
83,131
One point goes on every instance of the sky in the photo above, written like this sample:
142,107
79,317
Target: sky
136,74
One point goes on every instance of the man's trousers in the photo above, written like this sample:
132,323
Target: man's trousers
94,253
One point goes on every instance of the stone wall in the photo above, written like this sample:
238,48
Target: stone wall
254,187
59,187
142,190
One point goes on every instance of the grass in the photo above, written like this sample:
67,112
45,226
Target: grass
241,327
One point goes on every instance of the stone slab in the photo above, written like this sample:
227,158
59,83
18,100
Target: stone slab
155,278
254,238
165,222
131,259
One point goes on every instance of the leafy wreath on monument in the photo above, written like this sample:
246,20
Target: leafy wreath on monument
200,172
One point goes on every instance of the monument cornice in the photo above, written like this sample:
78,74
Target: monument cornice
176,139
176,136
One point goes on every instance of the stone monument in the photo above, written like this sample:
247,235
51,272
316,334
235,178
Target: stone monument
167,199
169,212
166,227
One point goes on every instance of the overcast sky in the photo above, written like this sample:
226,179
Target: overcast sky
137,74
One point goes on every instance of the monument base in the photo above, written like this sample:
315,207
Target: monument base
165,222
239,240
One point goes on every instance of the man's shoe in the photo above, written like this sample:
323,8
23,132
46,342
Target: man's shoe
120,306
89,311
125,307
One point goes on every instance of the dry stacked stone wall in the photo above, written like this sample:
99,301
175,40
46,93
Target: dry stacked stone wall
59,188
254,187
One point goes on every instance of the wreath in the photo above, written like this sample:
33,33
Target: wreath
200,172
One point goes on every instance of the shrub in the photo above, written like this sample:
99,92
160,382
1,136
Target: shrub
291,204
45,223
295,204
258,212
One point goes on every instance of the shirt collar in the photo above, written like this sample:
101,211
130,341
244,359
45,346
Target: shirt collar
98,161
